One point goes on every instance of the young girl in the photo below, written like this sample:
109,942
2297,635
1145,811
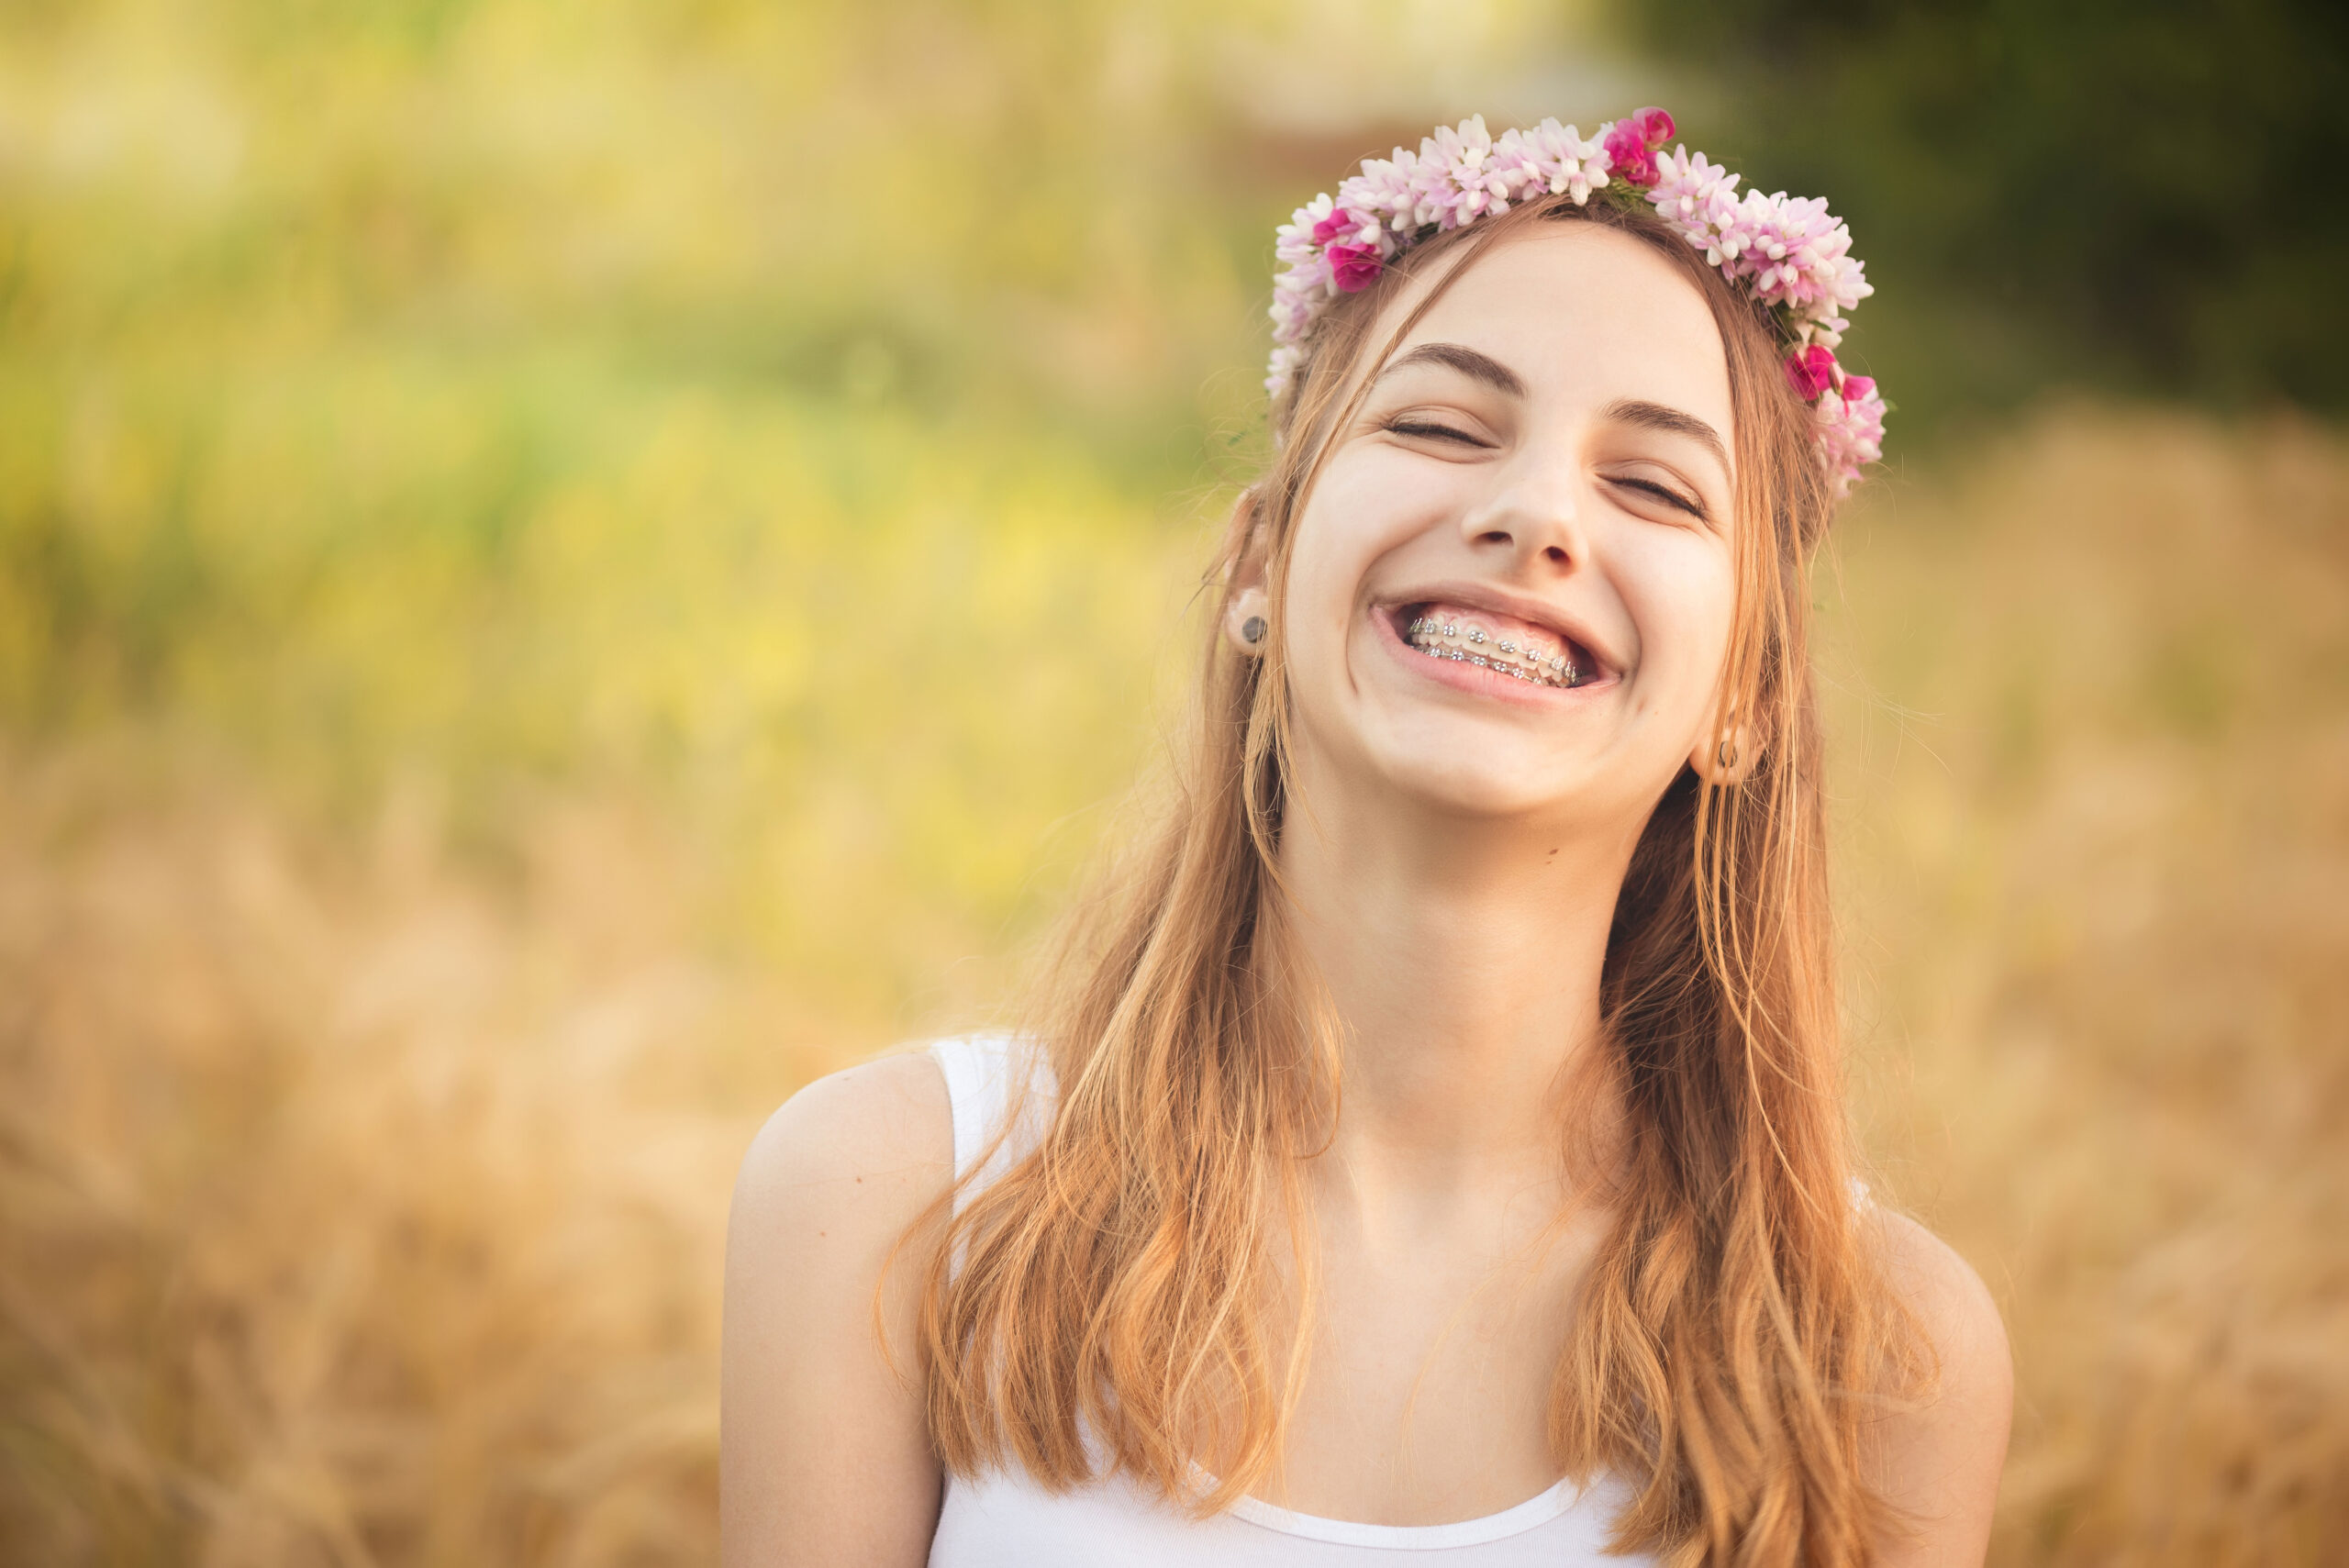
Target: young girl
1433,1145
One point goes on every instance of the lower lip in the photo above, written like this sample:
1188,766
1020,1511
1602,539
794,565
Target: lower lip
1463,676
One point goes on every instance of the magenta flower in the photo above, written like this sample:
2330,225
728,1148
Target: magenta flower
1655,126
1340,222
1352,267
1629,158
1812,370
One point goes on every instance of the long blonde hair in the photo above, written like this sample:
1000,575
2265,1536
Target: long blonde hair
1111,1299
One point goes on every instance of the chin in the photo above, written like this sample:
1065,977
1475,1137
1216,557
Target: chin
1495,782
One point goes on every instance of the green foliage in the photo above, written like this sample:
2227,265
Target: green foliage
2128,194
779,410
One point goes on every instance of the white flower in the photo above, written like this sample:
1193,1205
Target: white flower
1382,192
1288,360
1799,256
1553,158
1789,252
1453,179
1699,198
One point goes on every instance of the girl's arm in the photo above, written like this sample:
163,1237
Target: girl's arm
1939,1463
823,1458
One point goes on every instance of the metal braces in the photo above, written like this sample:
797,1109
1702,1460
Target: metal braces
1554,670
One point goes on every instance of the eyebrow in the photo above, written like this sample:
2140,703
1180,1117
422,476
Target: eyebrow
1635,411
1467,361
1671,421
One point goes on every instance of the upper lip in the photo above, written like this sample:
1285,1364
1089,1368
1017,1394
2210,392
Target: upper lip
1503,602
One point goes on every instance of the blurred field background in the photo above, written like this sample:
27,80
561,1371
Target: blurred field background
566,567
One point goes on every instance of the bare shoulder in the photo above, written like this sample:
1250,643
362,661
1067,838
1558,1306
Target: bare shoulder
1952,1303
1938,1457
823,1453
886,1120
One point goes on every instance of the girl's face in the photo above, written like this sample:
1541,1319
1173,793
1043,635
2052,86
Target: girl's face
1539,478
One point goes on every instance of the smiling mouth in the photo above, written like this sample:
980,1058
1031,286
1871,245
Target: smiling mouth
1503,644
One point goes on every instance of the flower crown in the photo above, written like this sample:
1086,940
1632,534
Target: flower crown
1786,251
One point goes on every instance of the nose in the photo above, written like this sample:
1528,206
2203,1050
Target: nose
1535,519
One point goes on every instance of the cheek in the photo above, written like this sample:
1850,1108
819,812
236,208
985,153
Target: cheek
1681,591
1360,509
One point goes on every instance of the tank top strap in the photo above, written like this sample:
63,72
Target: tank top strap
989,1078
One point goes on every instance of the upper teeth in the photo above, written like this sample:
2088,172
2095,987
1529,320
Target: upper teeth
1441,638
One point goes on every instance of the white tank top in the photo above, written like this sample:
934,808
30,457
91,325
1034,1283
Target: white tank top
1005,1520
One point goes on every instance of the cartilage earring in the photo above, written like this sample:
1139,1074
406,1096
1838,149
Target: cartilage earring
1252,630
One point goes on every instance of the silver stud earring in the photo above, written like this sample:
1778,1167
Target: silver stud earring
1252,630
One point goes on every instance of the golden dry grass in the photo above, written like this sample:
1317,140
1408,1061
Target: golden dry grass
355,1212
2097,871
361,1196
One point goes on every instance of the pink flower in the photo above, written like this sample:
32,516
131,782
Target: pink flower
1352,267
1850,429
1788,254
1629,156
1812,372
1338,223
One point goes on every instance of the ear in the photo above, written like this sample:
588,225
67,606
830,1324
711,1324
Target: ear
1246,608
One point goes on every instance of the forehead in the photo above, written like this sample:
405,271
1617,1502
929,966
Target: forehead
1585,316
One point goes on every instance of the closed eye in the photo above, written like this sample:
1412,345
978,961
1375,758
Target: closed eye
1665,494
1428,431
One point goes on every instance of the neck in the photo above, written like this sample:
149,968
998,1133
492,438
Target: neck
1461,954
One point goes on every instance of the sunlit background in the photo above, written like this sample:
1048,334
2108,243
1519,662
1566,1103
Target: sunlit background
567,566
